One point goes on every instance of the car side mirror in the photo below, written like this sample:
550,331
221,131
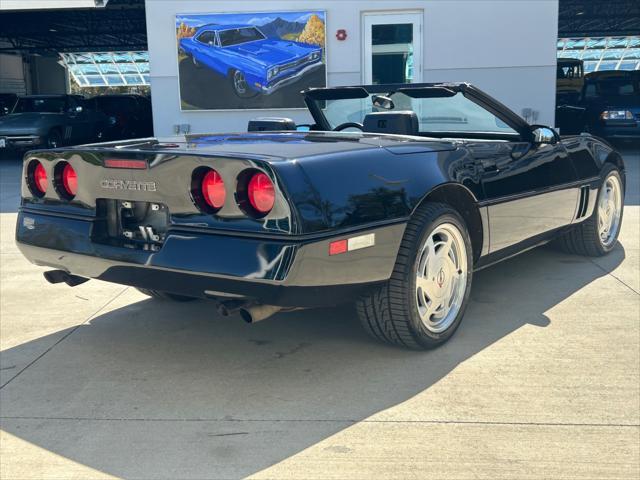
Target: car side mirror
544,135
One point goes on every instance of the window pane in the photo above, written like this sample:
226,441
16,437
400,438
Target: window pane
596,43
615,54
608,65
590,66
570,54
392,53
576,43
95,81
592,54
89,69
617,42
108,68
128,68
628,65
632,53
133,79
114,80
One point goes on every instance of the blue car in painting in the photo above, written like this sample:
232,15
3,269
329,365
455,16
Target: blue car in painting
252,62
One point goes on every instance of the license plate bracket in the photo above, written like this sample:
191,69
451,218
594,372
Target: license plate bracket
131,224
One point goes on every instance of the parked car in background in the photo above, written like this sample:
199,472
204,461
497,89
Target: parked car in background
7,101
609,107
611,100
252,62
128,116
50,121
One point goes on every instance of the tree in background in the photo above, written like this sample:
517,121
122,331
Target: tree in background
313,32
185,31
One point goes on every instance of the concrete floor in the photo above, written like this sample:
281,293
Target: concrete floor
541,381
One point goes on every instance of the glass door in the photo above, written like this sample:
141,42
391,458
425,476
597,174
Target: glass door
392,47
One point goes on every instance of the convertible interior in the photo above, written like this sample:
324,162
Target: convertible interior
447,111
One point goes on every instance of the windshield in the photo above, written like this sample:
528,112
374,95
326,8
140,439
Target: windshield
440,114
237,36
47,105
611,87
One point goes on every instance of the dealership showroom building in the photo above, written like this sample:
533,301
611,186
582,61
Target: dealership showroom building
542,379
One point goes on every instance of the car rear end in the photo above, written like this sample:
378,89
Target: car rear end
210,226
614,104
620,122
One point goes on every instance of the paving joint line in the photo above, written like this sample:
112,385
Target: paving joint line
64,337
320,420
608,272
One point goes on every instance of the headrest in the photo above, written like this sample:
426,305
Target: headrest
270,124
398,123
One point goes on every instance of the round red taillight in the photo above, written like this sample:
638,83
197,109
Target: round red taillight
261,193
213,190
40,178
70,180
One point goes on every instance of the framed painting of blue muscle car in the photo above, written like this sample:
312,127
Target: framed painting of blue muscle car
238,61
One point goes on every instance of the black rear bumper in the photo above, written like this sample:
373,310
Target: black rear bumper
282,272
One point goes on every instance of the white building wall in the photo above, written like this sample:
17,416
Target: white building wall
505,47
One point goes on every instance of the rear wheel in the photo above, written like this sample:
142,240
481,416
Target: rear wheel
424,301
597,236
165,295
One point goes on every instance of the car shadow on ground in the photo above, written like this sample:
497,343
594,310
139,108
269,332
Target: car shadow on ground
157,390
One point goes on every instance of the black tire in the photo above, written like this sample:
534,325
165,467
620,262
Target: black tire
237,79
584,238
195,62
53,139
165,295
390,313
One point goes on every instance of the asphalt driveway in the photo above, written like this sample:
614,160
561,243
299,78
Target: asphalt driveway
542,380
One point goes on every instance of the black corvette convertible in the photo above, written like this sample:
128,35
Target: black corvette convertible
431,183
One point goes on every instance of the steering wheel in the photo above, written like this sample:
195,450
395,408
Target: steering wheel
346,125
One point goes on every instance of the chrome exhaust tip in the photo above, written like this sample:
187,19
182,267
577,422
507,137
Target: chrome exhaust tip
257,313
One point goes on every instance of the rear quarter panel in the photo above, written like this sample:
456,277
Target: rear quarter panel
353,189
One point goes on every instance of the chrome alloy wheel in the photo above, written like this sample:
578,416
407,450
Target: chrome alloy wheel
441,277
609,210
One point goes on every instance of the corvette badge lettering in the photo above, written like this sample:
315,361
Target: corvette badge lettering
128,185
